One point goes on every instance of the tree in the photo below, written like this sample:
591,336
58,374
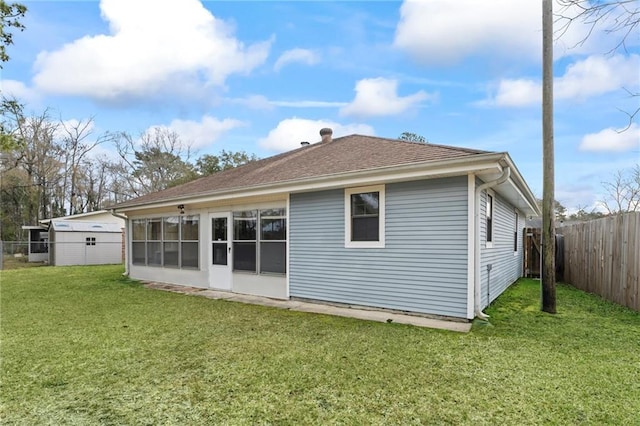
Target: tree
155,161
412,137
622,194
619,18
78,144
10,110
208,164
31,173
560,211
583,215
10,15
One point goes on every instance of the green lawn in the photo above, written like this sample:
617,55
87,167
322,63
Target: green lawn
84,345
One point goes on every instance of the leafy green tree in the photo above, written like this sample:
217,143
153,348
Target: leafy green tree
10,15
208,164
11,112
412,137
559,209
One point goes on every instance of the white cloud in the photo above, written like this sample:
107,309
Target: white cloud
593,76
17,89
303,56
198,134
517,93
308,104
252,101
261,102
444,32
291,131
153,46
379,97
597,75
612,140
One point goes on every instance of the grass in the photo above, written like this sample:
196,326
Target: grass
84,345
12,262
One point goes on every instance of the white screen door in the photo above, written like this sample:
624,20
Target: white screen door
220,251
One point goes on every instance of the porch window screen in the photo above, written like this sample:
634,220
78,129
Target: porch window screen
273,241
170,238
260,249
244,240
189,229
171,242
139,244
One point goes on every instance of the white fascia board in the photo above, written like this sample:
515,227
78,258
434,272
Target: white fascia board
455,167
521,186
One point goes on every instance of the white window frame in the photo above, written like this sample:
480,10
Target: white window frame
516,246
380,189
489,244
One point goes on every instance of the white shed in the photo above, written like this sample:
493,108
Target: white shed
74,250
84,243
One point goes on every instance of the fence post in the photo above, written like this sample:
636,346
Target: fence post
1,254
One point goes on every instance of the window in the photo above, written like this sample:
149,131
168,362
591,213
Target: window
90,241
170,238
170,242
154,242
364,217
39,241
138,245
489,214
189,229
219,240
515,232
273,241
260,249
244,240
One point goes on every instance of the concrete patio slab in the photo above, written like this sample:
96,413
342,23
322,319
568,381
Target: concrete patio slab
318,308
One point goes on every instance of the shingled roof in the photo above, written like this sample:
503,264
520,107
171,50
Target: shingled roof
346,154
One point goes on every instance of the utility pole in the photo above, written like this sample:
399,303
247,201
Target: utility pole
548,279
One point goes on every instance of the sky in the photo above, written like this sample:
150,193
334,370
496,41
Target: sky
263,76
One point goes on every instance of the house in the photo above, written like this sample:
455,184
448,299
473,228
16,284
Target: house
92,238
355,220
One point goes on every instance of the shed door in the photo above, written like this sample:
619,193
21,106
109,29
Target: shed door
220,251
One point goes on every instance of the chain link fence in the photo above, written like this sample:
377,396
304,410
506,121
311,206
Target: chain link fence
89,251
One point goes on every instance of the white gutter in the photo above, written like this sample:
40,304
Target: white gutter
506,172
126,241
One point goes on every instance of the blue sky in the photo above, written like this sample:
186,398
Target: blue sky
264,76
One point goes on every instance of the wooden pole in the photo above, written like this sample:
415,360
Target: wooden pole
548,278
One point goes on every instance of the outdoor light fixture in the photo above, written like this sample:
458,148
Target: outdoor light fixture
181,208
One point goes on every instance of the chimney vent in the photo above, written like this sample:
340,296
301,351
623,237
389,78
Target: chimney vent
326,133
304,143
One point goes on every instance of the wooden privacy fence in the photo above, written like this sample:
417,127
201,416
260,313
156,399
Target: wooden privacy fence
603,257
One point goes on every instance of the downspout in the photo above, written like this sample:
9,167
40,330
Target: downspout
506,173
126,241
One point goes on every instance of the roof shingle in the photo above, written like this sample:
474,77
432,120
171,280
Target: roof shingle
342,155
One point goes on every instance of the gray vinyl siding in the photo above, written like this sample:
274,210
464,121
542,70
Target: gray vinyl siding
422,268
506,264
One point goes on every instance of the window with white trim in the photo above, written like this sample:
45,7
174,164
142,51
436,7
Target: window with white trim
171,242
515,232
489,218
365,216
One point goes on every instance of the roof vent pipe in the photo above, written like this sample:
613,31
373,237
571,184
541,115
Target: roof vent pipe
304,143
326,133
